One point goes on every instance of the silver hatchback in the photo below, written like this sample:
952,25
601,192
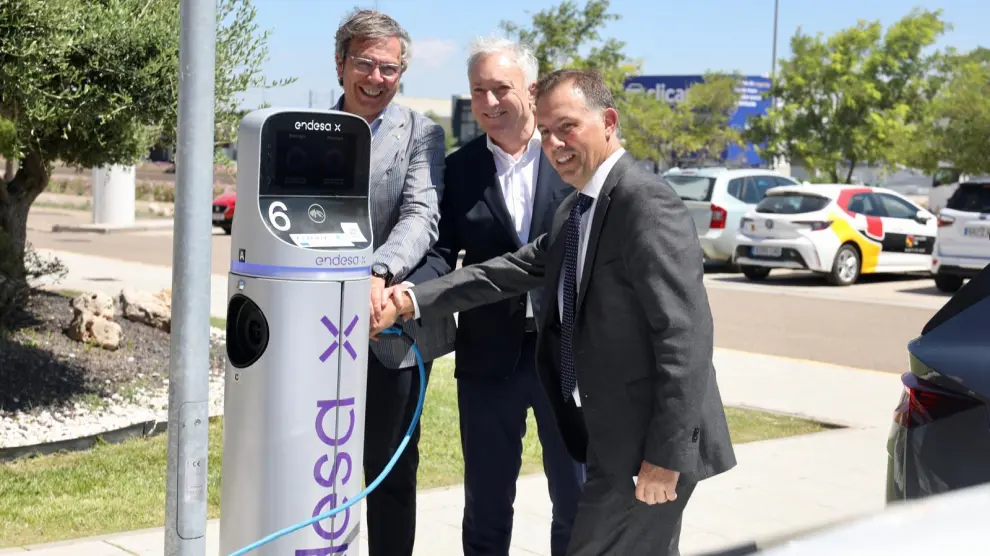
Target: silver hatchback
718,198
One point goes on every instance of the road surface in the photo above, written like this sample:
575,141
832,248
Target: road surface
867,325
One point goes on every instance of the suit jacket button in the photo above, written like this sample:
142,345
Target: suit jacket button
694,437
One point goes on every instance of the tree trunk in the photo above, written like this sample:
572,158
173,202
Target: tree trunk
18,195
8,173
852,166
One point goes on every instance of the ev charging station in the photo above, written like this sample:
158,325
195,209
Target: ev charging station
297,333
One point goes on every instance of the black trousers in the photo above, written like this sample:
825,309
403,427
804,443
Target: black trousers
392,397
614,523
493,424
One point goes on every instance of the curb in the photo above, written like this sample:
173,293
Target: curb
83,443
115,436
750,547
163,224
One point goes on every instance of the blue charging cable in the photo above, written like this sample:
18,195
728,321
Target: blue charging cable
381,477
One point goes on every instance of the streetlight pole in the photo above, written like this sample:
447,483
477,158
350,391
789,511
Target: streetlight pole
773,68
773,64
189,367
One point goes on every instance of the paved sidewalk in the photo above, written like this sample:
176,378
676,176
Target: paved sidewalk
780,487
110,276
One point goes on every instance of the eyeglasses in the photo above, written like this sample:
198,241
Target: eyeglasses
366,65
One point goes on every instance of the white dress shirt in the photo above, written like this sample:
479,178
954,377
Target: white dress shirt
517,178
517,181
592,189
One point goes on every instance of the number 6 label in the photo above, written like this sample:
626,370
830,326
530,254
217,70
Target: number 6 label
278,218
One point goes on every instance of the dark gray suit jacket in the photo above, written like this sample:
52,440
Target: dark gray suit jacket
644,333
474,218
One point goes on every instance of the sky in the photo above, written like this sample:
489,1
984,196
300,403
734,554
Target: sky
671,38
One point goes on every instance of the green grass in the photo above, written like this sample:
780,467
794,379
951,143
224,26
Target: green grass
121,487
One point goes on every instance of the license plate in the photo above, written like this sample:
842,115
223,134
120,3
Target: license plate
761,251
218,217
976,232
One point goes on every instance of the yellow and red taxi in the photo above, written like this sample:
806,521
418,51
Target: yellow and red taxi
842,231
223,211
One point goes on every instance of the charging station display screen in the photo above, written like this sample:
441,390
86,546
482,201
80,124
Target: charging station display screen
314,163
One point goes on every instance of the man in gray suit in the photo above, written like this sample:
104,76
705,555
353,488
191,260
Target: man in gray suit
626,341
406,183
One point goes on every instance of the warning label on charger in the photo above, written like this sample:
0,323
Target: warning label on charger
353,231
322,240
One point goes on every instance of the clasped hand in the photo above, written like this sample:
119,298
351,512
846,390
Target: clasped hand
656,485
386,308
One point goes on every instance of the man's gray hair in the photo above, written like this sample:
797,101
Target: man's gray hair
520,53
372,25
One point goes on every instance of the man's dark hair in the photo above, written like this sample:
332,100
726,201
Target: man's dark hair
591,84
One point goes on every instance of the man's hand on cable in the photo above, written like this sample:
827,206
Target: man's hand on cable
387,318
403,302
378,298
656,485
395,306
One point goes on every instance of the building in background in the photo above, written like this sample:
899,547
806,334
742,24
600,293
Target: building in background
752,102
437,109
462,123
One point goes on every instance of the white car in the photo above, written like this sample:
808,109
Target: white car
962,248
842,231
718,198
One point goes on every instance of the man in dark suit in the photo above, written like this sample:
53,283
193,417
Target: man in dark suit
626,340
501,192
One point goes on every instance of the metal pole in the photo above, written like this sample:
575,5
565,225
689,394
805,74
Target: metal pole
773,64
773,70
189,371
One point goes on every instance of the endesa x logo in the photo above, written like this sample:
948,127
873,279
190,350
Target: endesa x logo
336,337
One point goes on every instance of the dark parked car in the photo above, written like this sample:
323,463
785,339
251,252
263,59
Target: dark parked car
940,439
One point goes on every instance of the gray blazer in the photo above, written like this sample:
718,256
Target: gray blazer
644,333
406,184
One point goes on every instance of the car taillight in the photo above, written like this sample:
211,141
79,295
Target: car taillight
945,221
719,215
815,226
923,403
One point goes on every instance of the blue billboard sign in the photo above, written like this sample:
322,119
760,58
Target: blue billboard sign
675,88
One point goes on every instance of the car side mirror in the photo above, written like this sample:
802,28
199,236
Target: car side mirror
921,218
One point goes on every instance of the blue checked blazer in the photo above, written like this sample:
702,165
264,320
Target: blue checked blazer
406,185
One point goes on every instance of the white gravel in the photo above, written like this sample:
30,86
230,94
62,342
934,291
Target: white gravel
24,429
